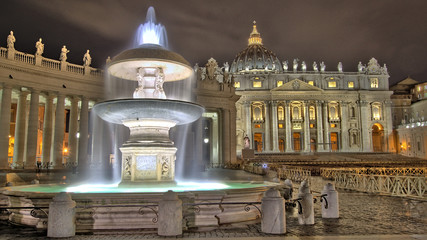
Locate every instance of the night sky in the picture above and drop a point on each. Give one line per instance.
(392, 31)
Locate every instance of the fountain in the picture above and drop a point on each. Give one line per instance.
(149, 154)
(148, 157)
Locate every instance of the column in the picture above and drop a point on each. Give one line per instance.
(326, 139)
(388, 130)
(58, 137)
(307, 146)
(248, 115)
(20, 131)
(47, 128)
(84, 135)
(366, 126)
(72, 131)
(33, 121)
(225, 136)
(344, 127)
(233, 140)
(319, 126)
(6, 102)
(288, 127)
(267, 129)
(275, 127)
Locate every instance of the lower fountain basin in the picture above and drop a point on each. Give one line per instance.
(119, 110)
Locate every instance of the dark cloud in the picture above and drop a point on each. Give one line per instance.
(392, 31)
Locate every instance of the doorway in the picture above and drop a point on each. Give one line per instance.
(334, 141)
(297, 141)
(258, 142)
(378, 137)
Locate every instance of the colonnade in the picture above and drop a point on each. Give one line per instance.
(27, 126)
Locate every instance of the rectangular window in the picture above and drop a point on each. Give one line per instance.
(333, 125)
(280, 125)
(311, 125)
(257, 126)
(374, 82)
(279, 83)
(332, 84)
(311, 83)
(237, 84)
(257, 84)
(350, 84)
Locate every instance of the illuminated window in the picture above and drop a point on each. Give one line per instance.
(419, 88)
(425, 87)
(280, 125)
(237, 84)
(311, 125)
(332, 84)
(350, 84)
(311, 83)
(333, 125)
(256, 78)
(331, 78)
(257, 84)
(257, 126)
(279, 83)
(374, 82)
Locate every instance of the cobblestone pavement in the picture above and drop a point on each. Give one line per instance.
(362, 216)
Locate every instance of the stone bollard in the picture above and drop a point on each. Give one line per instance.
(306, 217)
(273, 212)
(170, 215)
(288, 192)
(330, 207)
(35, 181)
(62, 216)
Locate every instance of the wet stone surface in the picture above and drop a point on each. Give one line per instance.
(360, 214)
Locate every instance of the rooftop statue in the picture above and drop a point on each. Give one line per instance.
(285, 65)
(384, 69)
(360, 67)
(11, 41)
(64, 51)
(373, 66)
(296, 64)
(226, 67)
(108, 60)
(315, 66)
(87, 60)
(322, 66)
(303, 66)
(39, 47)
(340, 67)
(211, 68)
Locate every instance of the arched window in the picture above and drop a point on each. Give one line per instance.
(295, 113)
(280, 113)
(333, 112)
(312, 113)
(376, 111)
(352, 111)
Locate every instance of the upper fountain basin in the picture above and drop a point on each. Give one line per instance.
(126, 64)
(119, 110)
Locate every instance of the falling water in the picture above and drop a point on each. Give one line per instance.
(151, 32)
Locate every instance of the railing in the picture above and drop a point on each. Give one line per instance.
(96, 72)
(52, 64)
(24, 57)
(404, 186)
(75, 68)
(3, 52)
(294, 174)
(329, 173)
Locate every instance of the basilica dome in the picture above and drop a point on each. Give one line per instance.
(256, 57)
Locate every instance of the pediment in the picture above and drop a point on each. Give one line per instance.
(296, 85)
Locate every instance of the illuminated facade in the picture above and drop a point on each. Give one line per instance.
(410, 117)
(287, 107)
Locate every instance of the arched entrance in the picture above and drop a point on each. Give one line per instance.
(378, 137)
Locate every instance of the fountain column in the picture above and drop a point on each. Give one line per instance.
(47, 128)
(6, 102)
(32, 137)
(20, 131)
(58, 138)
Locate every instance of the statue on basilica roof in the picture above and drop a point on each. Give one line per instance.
(315, 67)
(340, 67)
(11, 41)
(303, 66)
(285, 65)
(322, 66)
(296, 64)
(361, 67)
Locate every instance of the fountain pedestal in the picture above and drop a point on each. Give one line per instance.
(149, 154)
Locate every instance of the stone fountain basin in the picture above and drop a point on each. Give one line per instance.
(119, 110)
